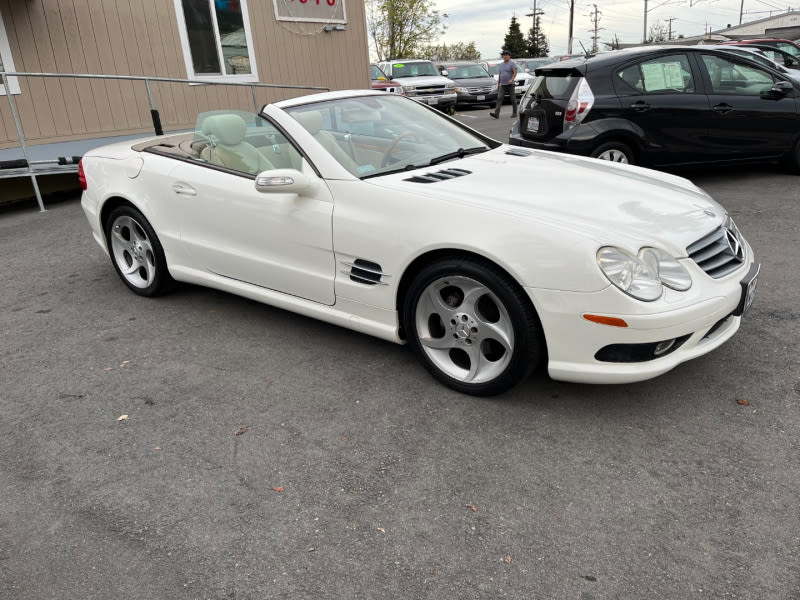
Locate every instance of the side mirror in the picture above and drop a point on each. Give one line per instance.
(282, 181)
(778, 90)
(444, 72)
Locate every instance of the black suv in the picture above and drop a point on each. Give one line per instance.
(661, 106)
(474, 84)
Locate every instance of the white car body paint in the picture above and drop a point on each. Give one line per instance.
(546, 240)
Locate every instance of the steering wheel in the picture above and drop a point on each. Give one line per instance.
(387, 156)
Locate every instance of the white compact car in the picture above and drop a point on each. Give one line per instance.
(521, 82)
(380, 214)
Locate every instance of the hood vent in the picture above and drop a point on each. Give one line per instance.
(442, 175)
(518, 152)
(364, 271)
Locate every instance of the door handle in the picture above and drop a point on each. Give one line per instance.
(184, 189)
(640, 106)
(722, 108)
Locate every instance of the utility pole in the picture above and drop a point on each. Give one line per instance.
(595, 18)
(535, 13)
(669, 28)
(571, 19)
(644, 34)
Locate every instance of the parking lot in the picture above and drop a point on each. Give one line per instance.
(201, 445)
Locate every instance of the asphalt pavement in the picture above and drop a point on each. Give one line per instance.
(202, 445)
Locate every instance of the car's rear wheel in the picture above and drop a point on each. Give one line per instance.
(136, 252)
(792, 159)
(614, 152)
(472, 326)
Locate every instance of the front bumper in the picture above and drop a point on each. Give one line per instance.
(483, 98)
(701, 319)
(440, 100)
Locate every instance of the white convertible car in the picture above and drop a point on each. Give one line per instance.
(376, 213)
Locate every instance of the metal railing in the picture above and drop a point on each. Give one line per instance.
(27, 164)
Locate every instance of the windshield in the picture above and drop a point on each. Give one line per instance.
(415, 69)
(376, 74)
(465, 71)
(372, 135)
(787, 47)
(754, 56)
(494, 69)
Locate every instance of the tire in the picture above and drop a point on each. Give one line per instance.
(472, 326)
(791, 162)
(136, 253)
(614, 152)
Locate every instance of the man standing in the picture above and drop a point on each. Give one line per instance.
(505, 84)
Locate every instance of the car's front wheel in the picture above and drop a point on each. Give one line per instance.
(472, 326)
(136, 252)
(614, 152)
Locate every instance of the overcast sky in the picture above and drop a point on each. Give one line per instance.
(486, 21)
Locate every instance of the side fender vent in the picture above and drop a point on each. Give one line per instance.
(442, 175)
(364, 271)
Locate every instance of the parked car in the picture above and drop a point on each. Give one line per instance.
(521, 82)
(766, 58)
(529, 65)
(370, 211)
(663, 106)
(785, 45)
(422, 82)
(787, 59)
(474, 85)
(381, 82)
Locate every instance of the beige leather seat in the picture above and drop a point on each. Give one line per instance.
(312, 121)
(227, 147)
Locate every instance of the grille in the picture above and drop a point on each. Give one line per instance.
(480, 90)
(430, 91)
(442, 175)
(720, 252)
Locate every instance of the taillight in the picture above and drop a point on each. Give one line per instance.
(575, 108)
(579, 105)
(81, 175)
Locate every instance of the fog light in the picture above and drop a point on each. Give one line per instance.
(663, 347)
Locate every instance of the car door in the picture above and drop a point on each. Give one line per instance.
(660, 95)
(746, 123)
(279, 241)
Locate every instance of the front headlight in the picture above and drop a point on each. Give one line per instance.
(410, 90)
(631, 274)
(450, 86)
(667, 268)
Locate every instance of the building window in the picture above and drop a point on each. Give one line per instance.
(216, 39)
(6, 62)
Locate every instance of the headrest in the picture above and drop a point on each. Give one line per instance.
(362, 115)
(310, 119)
(228, 129)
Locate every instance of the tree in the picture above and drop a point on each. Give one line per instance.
(536, 43)
(443, 52)
(658, 33)
(399, 28)
(515, 42)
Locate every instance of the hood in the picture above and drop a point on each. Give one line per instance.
(475, 81)
(424, 80)
(612, 204)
